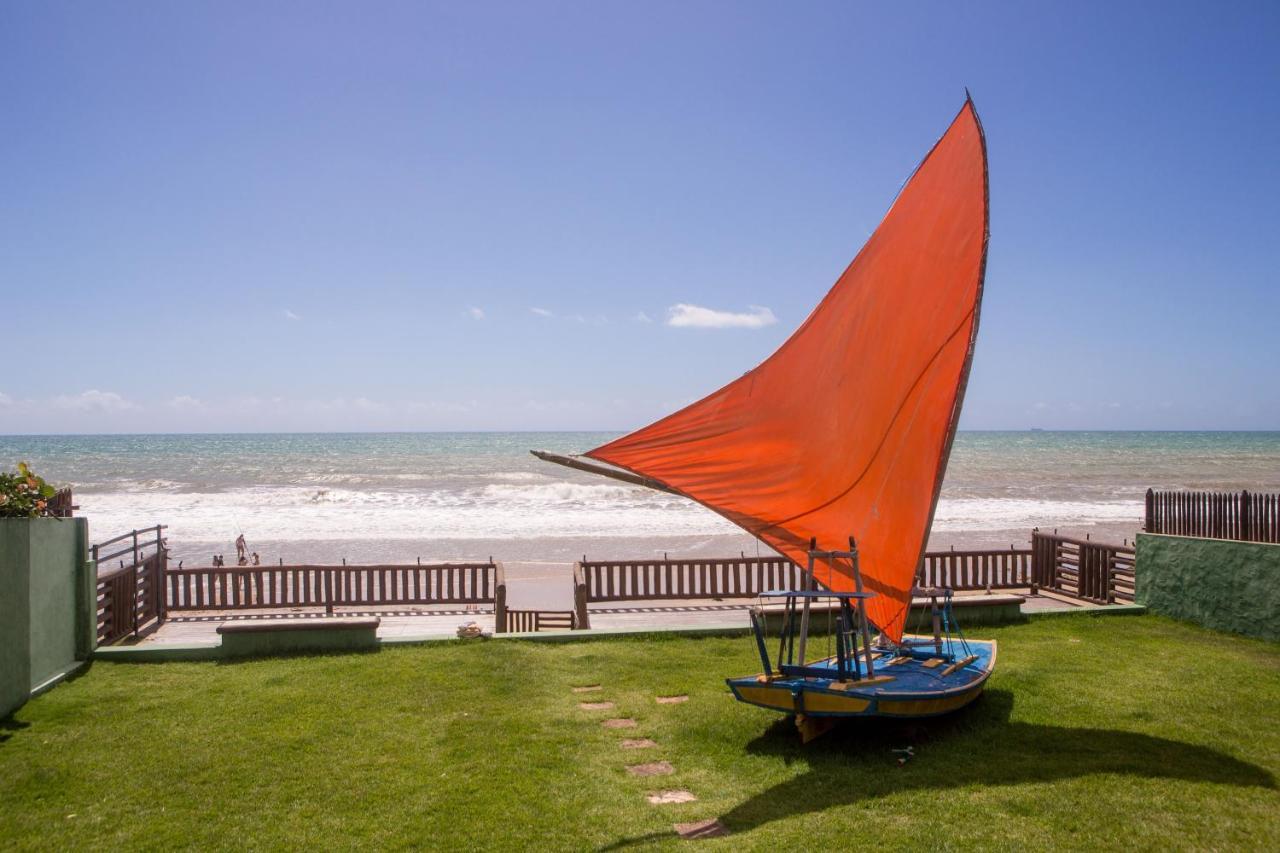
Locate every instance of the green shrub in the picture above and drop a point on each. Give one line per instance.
(23, 494)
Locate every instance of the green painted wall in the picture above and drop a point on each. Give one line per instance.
(45, 603)
(1230, 586)
(15, 599)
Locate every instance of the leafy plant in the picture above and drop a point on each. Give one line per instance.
(23, 494)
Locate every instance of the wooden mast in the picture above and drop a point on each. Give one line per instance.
(604, 470)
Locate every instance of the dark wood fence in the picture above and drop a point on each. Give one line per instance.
(1094, 571)
(1244, 516)
(61, 505)
(280, 587)
(648, 580)
(130, 595)
(973, 570)
(1097, 572)
(520, 621)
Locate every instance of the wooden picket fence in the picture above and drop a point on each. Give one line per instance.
(1243, 516)
(281, 587)
(966, 571)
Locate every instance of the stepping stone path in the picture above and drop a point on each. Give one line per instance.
(637, 743)
(657, 768)
(712, 828)
(624, 723)
(701, 829)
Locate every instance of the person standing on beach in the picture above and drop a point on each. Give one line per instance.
(241, 548)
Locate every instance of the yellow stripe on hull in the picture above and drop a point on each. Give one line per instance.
(927, 707)
(770, 697)
(827, 703)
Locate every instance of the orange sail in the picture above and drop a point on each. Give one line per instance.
(846, 429)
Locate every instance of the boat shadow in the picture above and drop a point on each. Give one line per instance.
(978, 745)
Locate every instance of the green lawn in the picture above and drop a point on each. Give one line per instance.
(1094, 732)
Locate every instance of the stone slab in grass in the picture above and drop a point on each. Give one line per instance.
(701, 829)
(588, 688)
(655, 768)
(623, 723)
(662, 797)
(595, 706)
(637, 743)
(672, 700)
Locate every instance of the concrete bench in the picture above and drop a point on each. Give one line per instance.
(264, 637)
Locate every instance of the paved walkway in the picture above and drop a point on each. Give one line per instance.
(202, 626)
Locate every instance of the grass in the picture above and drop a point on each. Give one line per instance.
(1093, 733)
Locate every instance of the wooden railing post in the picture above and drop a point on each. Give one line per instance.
(1246, 525)
(1037, 560)
(581, 615)
(499, 599)
(1149, 521)
(161, 573)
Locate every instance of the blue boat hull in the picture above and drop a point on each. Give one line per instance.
(907, 689)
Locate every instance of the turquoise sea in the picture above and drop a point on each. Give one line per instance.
(397, 496)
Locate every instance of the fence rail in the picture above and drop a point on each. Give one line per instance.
(62, 504)
(1097, 572)
(647, 580)
(130, 597)
(255, 587)
(1243, 516)
(521, 621)
(973, 570)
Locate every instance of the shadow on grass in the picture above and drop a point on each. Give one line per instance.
(976, 746)
(9, 725)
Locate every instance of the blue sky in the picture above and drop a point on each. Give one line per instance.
(368, 216)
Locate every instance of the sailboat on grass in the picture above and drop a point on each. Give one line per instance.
(833, 452)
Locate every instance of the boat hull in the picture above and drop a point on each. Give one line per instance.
(908, 690)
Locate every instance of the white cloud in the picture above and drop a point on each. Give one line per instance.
(289, 315)
(642, 317)
(595, 320)
(93, 400)
(5, 399)
(185, 402)
(684, 315)
(475, 313)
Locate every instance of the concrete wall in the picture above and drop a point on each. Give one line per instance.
(46, 595)
(1222, 584)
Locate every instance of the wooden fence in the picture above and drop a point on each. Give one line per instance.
(521, 621)
(1094, 571)
(973, 570)
(61, 505)
(1243, 516)
(280, 587)
(648, 580)
(1097, 572)
(130, 596)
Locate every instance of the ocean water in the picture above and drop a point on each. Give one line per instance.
(439, 496)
